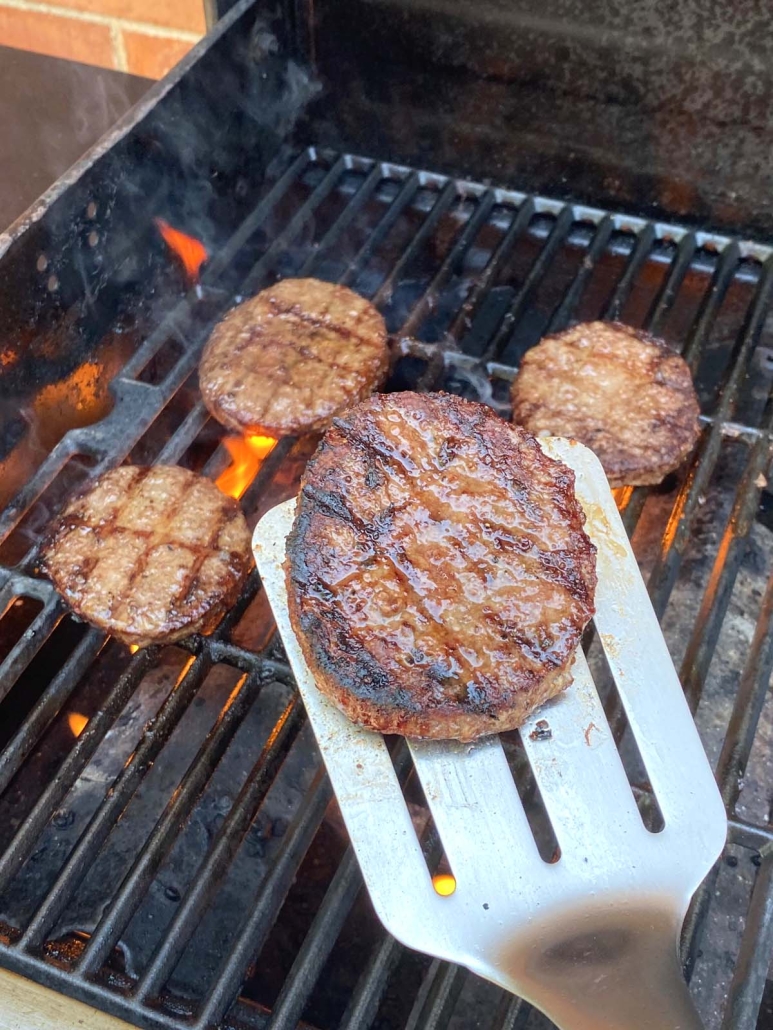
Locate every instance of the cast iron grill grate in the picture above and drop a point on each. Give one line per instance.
(167, 847)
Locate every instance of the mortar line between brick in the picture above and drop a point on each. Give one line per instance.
(119, 48)
(103, 19)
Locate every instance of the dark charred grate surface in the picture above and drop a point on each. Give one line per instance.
(168, 849)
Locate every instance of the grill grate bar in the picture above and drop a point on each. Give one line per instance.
(663, 575)
(83, 749)
(639, 254)
(302, 217)
(752, 836)
(452, 261)
(755, 945)
(34, 487)
(30, 642)
(406, 194)
(49, 705)
(217, 264)
(513, 1013)
(267, 471)
(365, 191)
(749, 702)
(174, 324)
(138, 879)
(496, 262)
(183, 437)
(731, 766)
(556, 238)
(730, 554)
(318, 943)
(235, 825)
(443, 202)
(268, 903)
(751, 967)
(437, 996)
(116, 800)
(364, 1002)
(711, 303)
(665, 298)
(562, 315)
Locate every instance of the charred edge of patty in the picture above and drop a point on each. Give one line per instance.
(386, 710)
(448, 724)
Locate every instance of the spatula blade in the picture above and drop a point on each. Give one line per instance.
(503, 887)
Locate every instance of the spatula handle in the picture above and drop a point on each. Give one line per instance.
(610, 972)
(657, 1002)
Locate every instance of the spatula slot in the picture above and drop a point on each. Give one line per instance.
(633, 763)
(529, 792)
(419, 811)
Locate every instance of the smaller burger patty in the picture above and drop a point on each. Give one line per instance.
(624, 394)
(149, 554)
(286, 361)
(439, 576)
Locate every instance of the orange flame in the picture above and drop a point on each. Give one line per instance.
(247, 454)
(134, 648)
(191, 252)
(77, 723)
(622, 496)
(444, 884)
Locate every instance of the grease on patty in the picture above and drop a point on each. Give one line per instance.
(439, 575)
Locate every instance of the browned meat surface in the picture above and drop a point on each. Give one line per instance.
(286, 361)
(150, 554)
(622, 393)
(439, 574)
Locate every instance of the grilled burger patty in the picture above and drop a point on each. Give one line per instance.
(624, 394)
(149, 554)
(286, 361)
(439, 575)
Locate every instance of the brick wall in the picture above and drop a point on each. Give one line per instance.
(146, 37)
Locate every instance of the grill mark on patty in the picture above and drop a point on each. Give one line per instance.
(287, 360)
(315, 322)
(142, 562)
(185, 594)
(124, 605)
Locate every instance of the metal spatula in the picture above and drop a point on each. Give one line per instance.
(591, 939)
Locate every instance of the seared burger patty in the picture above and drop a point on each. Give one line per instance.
(286, 361)
(439, 575)
(624, 394)
(150, 554)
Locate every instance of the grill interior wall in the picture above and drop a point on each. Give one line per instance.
(149, 848)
